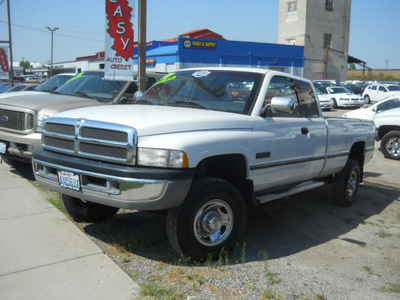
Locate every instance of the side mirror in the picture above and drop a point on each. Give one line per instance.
(283, 105)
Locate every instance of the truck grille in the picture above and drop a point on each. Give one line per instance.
(19, 121)
(90, 139)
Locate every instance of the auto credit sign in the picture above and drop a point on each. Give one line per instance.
(119, 40)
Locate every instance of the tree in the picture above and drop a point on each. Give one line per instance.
(25, 65)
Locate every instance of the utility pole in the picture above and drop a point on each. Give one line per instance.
(10, 43)
(51, 61)
(142, 45)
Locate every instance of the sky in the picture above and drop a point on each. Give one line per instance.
(374, 26)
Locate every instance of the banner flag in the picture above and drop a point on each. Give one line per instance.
(4, 67)
(119, 40)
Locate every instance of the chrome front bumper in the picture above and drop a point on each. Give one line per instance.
(117, 191)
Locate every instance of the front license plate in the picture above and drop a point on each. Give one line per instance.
(3, 148)
(69, 180)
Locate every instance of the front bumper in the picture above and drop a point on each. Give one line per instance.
(20, 145)
(113, 184)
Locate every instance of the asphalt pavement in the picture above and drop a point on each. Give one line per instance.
(43, 255)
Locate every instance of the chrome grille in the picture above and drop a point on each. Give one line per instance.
(90, 139)
(103, 134)
(21, 121)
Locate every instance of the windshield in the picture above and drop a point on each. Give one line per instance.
(53, 83)
(214, 90)
(393, 87)
(92, 85)
(338, 90)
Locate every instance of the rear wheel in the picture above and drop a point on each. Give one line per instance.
(212, 218)
(85, 211)
(367, 99)
(346, 184)
(390, 145)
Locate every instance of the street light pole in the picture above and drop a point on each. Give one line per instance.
(51, 62)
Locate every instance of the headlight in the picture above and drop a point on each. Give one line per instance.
(162, 158)
(40, 121)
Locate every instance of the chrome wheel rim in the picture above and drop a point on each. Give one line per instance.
(352, 184)
(393, 146)
(213, 223)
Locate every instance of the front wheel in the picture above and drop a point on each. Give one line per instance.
(346, 183)
(367, 99)
(334, 103)
(390, 145)
(85, 211)
(212, 217)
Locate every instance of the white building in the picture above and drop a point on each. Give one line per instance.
(322, 27)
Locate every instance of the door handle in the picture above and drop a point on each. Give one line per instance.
(304, 130)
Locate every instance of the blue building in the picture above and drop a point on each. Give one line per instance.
(194, 52)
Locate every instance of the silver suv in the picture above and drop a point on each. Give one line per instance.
(22, 115)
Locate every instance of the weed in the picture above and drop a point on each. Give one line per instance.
(243, 256)
(368, 270)
(264, 256)
(268, 294)
(156, 292)
(320, 296)
(209, 260)
(126, 260)
(56, 202)
(383, 234)
(392, 288)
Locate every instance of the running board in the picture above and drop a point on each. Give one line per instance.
(309, 185)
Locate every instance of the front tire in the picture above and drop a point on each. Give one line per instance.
(334, 103)
(390, 145)
(212, 217)
(346, 183)
(367, 99)
(85, 211)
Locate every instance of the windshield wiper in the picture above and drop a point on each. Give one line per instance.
(85, 95)
(56, 92)
(188, 103)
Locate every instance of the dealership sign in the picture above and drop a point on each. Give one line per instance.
(4, 68)
(119, 40)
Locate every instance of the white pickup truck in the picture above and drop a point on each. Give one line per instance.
(205, 145)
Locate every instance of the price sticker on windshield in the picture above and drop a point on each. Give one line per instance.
(199, 74)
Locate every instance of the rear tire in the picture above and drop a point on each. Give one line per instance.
(212, 217)
(390, 145)
(85, 211)
(346, 184)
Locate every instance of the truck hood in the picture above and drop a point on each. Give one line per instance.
(46, 103)
(150, 120)
(394, 112)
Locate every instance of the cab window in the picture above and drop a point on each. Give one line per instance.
(280, 86)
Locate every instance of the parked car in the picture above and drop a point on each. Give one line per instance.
(342, 97)
(368, 113)
(18, 86)
(22, 115)
(325, 100)
(377, 92)
(188, 148)
(54, 82)
(388, 132)
(355, 88)
(327, 82)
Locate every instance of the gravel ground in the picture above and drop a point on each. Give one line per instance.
(299, 247)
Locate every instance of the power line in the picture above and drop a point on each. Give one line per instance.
(59, 34)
